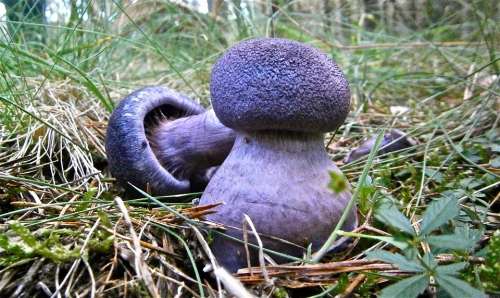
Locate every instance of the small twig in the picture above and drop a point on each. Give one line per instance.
(357, 280)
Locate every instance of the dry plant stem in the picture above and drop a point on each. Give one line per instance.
(179, 283)
(262, 262)
(178, 272)
(232, 285)
(92, 280)
(28, 277)
(140, 266)
(318, 272)
(247, 250)
(45, 289)
(210, 255)
(56, 281)
(352, 286)
(115, 254)
(143, 243)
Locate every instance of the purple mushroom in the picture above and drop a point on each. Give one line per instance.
(393, 140)
(280, 96)
(162, 141)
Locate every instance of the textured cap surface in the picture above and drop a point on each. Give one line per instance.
(279, 84)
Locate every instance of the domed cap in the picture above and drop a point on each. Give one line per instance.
(279, 84)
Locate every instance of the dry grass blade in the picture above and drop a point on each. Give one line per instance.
(142, 270)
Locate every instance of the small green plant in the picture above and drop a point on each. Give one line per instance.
(19, 243)
(454, 237)
(489, 272)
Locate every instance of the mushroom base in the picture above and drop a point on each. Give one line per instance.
(280, 180)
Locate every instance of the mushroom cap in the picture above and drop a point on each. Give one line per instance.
(130, 157)
(279, 84)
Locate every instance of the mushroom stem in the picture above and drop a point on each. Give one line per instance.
(192, 144)
(281, 179)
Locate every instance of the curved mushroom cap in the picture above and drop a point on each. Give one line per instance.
(130, 157)
(279, 84)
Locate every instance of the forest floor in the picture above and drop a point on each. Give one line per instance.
(429, 214)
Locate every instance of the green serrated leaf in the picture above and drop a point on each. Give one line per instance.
(438, 213)
(407, 288)
(429, 260)
(451, 269)
(450, 241)
(457, 288)
(434, 175)
(401, 244)
(389, 214)
(393, 258)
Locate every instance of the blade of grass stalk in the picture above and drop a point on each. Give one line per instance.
(361, 182)
(87, 82)
(103, 203)
(54, 65)
(422, 178)
(37, 182)
(156, 46)
(105, 35)
(431, 123)
(27, 209)
(457, 150)
(387, 239)
(67, 216)
(35, 59)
